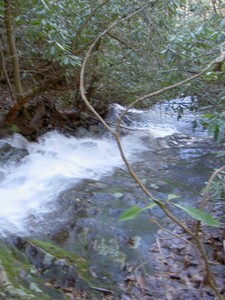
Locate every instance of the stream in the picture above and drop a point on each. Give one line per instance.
(71, 190)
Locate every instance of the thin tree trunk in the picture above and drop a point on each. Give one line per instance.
(13, 50)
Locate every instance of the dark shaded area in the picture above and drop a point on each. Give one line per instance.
(46, 112)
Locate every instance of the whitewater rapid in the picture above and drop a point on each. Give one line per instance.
(57, 161)
(53, 164)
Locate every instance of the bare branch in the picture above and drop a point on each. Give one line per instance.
(208, 273)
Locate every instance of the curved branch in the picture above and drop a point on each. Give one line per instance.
(116, 134)
(173, 86)
(82, 89)
(206, 191)
(156, 93)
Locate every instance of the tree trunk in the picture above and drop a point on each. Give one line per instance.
(13, 50)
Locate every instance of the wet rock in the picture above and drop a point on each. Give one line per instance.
(9, 153)
(175, 140)
(53, 275)
(81, 131)
(48, 260)
(19, 294)
(110, 248)
(118, 195)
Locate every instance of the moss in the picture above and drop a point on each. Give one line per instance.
(56, 251)
(59, 253)
(13, 261)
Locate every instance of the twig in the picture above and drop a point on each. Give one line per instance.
(170, 232)
(101, 289)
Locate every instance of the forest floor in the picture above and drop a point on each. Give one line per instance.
(178, 269)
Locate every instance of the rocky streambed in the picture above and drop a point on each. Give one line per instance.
(79, 249)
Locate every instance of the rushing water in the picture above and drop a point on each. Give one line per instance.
(56, 162)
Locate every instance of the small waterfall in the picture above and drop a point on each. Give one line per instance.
(30, 185)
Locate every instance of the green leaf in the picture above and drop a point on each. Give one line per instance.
(151, 205)
(208, 116)
(199, 215)
(172, 196)
(66, 61)
(133, 211)
(60, 46)
(45, 5)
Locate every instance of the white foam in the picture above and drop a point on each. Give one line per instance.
(53, 164)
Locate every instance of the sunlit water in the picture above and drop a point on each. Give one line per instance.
(56, 162)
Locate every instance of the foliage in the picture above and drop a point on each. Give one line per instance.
(216, 125)
(217, 188)
(195, 213)
(199, 215)
(169, 40)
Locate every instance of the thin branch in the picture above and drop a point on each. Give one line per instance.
(205, 195)
(85, 23)
(82, 90)
(209, 275)
(123, 42)
(206, 190)
(174, 235)
(173, 86)
(116, 133)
